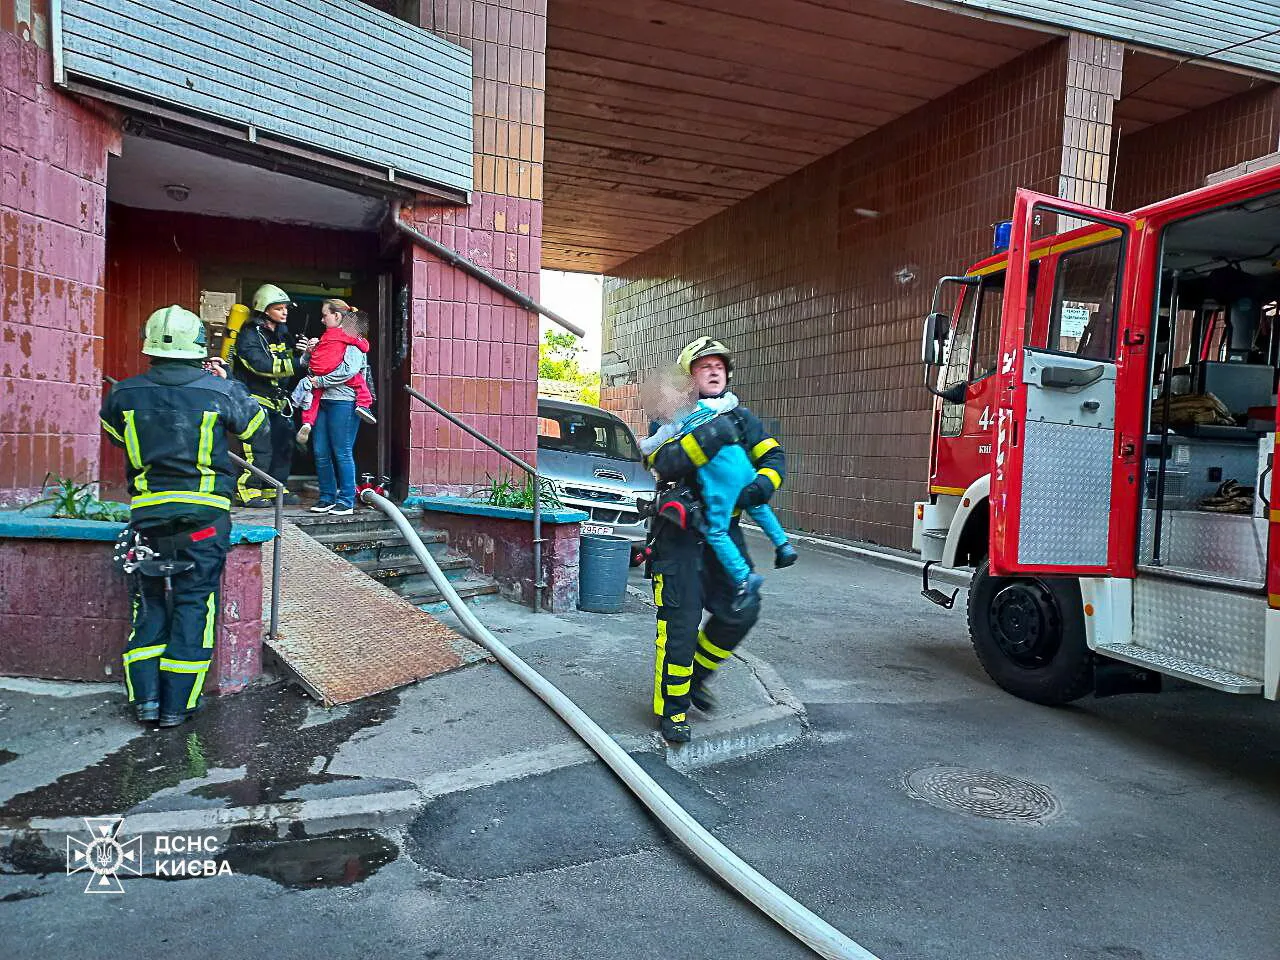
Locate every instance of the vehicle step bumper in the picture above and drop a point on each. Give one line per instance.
(1172, 666)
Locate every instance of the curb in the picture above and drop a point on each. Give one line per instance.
(40, 844)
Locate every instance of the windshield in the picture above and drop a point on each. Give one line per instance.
(570, 431)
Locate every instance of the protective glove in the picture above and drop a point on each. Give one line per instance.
(714, 435)
(755, 493)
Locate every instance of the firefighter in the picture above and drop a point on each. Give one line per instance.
(172, 422)
(265, 363)
(687, 577)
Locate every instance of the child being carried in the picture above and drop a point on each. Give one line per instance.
(720, 481)
(350, 331)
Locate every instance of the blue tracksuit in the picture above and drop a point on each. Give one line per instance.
(721, 479)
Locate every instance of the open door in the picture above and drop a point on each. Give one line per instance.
(1063, 482)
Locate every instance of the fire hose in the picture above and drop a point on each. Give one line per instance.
(806, 926)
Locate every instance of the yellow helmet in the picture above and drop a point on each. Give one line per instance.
(704, 347)
(268, 295)
(174, 332)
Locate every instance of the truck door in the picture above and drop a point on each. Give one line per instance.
(1065, 460)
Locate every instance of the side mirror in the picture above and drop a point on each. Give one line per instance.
(937, 329)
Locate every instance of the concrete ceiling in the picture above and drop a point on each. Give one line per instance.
(661, 113)
(223, 188)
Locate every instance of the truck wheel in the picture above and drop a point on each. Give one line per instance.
(1028, 634)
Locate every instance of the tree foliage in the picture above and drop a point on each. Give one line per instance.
(558, 362)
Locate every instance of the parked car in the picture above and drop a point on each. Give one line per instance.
(594, 462)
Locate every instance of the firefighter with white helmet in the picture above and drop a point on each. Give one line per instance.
(172, 422)
(687, 576)
(265, 362)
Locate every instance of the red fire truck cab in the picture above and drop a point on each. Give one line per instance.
(1103, 437)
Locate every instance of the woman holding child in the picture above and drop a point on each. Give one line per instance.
(335, 396)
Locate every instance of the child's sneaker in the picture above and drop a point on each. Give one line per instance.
(785, 556)
(748, 592)
(304, 433)
(365, 414)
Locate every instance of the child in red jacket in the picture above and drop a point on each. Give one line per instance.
(343, 328)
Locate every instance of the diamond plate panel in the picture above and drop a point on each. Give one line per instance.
(1066, 495)
(1216, 628)
(1220, 544)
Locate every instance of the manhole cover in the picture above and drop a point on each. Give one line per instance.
(983, 794)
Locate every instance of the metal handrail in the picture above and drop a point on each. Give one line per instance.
(279, 527)
(539, 584)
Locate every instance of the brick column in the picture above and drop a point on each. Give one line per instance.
(474, 351)
(53, 191)
(1095, 69)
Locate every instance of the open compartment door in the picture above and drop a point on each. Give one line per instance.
(1065, 457)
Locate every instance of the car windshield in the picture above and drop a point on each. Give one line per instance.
(571, 431)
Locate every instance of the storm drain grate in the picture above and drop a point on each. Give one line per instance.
(983, 794)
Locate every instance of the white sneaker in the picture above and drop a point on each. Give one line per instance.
(341, 511)
(365, 414)
(322, 507)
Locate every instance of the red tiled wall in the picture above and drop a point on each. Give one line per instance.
(803, 288)
(1175, 156)
(53, 167)
(76, 630)
(475, 352)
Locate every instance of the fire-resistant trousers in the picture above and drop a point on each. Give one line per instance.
(687, 578)
(167, 655)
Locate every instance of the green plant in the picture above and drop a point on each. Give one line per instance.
(76, 501)
(503, 491)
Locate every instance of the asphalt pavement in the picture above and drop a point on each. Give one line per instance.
(898, 793)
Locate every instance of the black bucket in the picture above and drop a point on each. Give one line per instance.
(604, 563)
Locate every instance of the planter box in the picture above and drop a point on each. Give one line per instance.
(499, 541)
(64, 607)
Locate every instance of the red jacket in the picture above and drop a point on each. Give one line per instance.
(327, 355)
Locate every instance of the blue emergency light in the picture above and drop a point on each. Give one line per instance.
(1003, 230)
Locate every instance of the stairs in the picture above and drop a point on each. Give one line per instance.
(369, 542)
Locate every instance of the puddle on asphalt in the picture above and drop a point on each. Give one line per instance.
(338, 859)
(260, 730)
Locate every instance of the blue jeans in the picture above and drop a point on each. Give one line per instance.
(334, 440)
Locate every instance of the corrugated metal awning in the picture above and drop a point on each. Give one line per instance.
(333, 80)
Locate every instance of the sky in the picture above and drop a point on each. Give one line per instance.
(577, 298)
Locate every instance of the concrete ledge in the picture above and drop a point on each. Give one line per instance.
(17, 526)
(478, 508)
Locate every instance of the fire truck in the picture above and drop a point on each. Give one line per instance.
(1104, 428)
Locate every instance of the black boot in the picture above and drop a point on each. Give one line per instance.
(676, 729)
(702, 698)
(785, 556)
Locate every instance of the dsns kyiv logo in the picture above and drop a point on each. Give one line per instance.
(105, 855)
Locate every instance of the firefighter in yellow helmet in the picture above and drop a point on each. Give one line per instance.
(172, 422)
(265, 362)
(687, 576)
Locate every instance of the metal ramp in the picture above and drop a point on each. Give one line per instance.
(344, 636)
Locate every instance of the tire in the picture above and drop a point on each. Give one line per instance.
(1029, 636)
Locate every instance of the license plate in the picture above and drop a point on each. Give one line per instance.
(596, 528)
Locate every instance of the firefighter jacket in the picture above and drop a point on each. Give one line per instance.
(263, 361)
(678, 459)
(172, 422)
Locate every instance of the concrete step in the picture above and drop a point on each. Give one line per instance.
(471, 588)
(361, 546)
(394, 571)
(363, 520)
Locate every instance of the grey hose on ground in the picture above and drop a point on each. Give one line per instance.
(806, 926)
